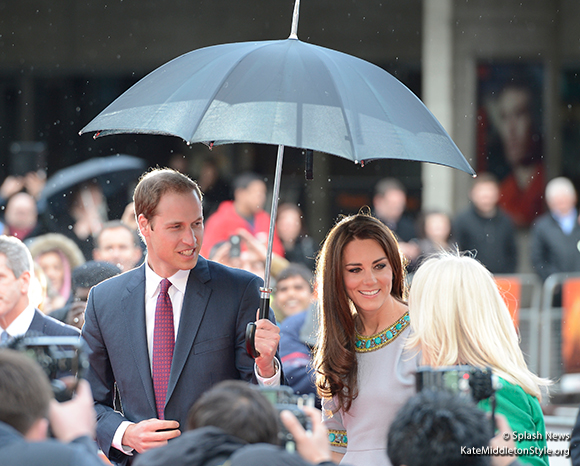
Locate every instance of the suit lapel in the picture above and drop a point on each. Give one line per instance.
(134, 317)
(195, 302)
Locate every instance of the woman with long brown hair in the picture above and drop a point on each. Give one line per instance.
(363, 373)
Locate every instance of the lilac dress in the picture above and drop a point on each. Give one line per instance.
(386, 379)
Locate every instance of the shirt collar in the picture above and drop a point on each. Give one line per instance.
(566, 221)
(152, 281)
(21, 324)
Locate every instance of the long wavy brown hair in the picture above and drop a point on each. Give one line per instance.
(335, 359)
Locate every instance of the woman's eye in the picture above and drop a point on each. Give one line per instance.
(381, 266)
(355, 270)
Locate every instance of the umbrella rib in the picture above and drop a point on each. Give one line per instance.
(379, 99)
(332, 75)
(218, 87)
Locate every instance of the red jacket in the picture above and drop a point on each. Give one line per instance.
(226, 221)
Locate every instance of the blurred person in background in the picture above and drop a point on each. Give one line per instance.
(244, 251)
(234, 424)
(298, 246)
(214, 187)
(360, 360)
(119, 245)
(389, 205)
(27, 407)
(32, 183)
(434, 229)
(38, 292)
(57, 255)
(21, 217)
(246, 212)
(128, 218)
(81, 216)
(89, 211)
(555, 236)
(483, 227)
(84, 277)
(470, 324)
(294, 297)
(294, 290)
(17, 314)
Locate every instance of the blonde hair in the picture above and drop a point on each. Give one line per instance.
(459, 317)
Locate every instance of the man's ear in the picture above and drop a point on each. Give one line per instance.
(25, 283)
(144, 225)
(38, 432)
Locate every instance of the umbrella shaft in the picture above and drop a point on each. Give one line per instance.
(295, 16)
(273, 212)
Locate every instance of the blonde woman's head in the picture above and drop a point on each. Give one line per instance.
(458, 316)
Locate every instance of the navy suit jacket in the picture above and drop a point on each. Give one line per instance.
(49, 326)
(210, 346)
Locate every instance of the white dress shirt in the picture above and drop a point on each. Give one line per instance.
(21, 324)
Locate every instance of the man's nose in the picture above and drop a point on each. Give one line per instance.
(189, 237)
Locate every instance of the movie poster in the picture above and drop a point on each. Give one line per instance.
(510, 136)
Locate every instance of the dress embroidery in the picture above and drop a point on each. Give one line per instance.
(374, 342)
(337, 438)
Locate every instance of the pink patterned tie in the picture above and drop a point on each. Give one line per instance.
(163, 343)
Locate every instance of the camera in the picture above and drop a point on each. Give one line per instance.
(283, 398)
(464, 380)
(235, 246)
(63, 360)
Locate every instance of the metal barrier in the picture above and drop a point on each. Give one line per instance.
(522, 294)
(557, 294)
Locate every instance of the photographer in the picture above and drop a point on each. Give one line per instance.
(439, 428)
(27, 407)
(234, 421)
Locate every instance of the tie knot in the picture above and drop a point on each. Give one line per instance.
(164, 285)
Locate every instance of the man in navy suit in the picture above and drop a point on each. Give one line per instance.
(211, 306)
(17, 315)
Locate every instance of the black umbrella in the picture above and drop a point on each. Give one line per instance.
(286, 93)
(115, 174)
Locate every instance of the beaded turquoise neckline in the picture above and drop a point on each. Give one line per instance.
(374, 342)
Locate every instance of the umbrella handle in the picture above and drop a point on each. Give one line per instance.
(251, 327)
(250, 340)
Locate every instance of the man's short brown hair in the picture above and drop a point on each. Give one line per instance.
(155, 183)
(25, 391)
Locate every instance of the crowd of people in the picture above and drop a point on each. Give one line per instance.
(161, 299)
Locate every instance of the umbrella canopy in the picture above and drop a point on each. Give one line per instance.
(283, 92)
(286, 93)
(113, 173)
